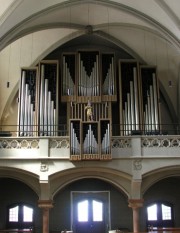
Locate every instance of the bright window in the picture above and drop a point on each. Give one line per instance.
(13, 214)
(83, 211)
(20, 216)
(90, 210)
(166, 212)
(97, 211)
(27, 214)
(152, 212)
(160, 215)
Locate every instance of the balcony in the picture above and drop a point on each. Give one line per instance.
(138, 144)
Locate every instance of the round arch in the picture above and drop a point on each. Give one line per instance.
(25, 177)
(120, 180)
(154, 176)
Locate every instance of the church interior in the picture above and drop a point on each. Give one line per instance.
(90, 116)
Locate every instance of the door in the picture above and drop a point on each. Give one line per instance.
(90, 213)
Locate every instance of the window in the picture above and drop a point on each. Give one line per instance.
(160, 215)
(90, 210)
(20, 216)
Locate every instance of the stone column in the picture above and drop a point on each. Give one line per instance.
(135, 204)
(45, 205)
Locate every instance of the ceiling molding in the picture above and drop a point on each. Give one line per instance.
(169, 12)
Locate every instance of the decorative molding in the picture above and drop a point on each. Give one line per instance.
(137, 164)
(19, 143)
(44, 167)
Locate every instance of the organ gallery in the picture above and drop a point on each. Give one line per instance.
(94, 94)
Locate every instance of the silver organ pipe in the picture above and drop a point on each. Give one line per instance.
(41, 120)
(136, 105)
(29, 116)
(105, 145)
(49, 113)
(126, 119)
(45, 107)
(129, 113)
(68, 84)
(75, 145)
(97, 74)
(26, 110)
(90, 145)
(149, 112)
(52, 122)
(109, 82)
(132, 105)
(152, 107)
(22, 102)
(155, 102)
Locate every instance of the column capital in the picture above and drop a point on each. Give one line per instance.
(135, 203)
(47, 204)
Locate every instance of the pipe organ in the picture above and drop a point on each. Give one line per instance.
(150, 99)
(92, 91)
(139, 95)
(38, 94)
(27, 117)
(129, 97)
(48, 93)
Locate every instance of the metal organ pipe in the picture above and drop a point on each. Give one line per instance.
(155, 101)
(22, 104)
(132, 105)
(152, 107)
(26, 110)
(136, 106)
(41, 120)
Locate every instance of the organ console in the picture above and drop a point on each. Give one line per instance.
(122, 90)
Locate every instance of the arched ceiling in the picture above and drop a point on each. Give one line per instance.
(148, 30)
(20, 17)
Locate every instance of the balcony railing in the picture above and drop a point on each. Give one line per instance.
(117, 130)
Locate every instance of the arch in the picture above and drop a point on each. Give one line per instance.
(154, 176)
(16, 31)
(25, 177)
(120, 180)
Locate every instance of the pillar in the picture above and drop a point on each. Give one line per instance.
(45, 205)
(135, 204)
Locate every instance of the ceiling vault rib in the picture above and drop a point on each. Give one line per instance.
(169, 12)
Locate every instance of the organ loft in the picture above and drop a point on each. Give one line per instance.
(95, 95)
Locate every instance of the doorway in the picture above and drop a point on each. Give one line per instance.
(90, 211)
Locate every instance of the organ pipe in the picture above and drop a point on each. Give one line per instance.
(22, 102)
(41, 121)
(132, 105)
(155, 101)
(136, 105)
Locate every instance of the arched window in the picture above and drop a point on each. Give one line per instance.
(160, 215)
(20, 216)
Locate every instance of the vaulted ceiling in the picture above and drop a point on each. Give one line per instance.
(149, 30)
